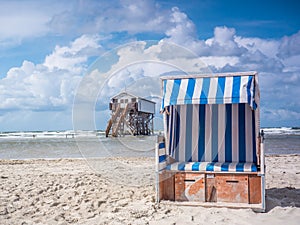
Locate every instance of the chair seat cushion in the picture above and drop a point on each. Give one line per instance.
(212, 166)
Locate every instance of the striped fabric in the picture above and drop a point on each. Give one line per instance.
(211, 133)
(212, 166)
(161, 156)
(209, 90)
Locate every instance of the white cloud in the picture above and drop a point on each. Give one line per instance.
(291, 64)
(30, 19)
(289, 46)
(224, 43)
(25, 19)
(14, 28)
(268, 47)
(49, 86)
(220, 62)
(184, 33)
(72, 58)
(183, 30)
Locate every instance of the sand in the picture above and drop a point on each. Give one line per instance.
(122, 191)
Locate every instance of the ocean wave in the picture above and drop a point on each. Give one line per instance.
(50, 134)
(99, 133)
(282, 131)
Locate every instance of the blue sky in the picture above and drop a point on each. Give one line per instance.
(46, 48)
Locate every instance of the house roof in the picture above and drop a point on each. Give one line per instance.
(132, 95)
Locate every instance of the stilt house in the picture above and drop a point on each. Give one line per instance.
(130, 114)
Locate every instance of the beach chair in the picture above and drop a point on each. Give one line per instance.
(212, 151)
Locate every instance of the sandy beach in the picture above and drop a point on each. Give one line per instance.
(122, 191)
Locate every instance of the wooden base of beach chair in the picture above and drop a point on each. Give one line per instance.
(167, 186)
(232, 188)
(211, 188)
(189, 187)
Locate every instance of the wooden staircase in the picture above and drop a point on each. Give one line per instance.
(118, 119)
(109, 124)
(113, 118)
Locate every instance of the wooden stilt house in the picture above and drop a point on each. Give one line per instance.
(212, 152)
(130, 114)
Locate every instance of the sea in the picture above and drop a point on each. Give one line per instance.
(94, 144)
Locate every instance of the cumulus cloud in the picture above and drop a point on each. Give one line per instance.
(268, 47)
(72, 57)
(184, 33)
(289, 46)
(183, 29)
(49, 86)
(223, 43)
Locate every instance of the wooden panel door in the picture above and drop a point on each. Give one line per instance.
(232, 188)
(189, 187)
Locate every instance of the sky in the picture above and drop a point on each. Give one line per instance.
(61, 61)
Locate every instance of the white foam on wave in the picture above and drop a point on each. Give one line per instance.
(95, 133)
(282, 130)
(50, 134)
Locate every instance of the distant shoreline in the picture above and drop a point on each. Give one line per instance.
(109, 158)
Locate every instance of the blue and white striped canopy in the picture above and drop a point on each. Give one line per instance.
(209, 90)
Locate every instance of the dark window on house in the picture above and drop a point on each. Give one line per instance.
(126, 100)
(122, 100)
(133, 100)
